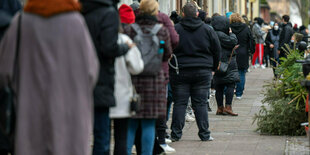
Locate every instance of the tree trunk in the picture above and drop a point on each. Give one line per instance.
(304, 12)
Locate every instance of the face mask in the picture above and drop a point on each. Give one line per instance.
(276, 28)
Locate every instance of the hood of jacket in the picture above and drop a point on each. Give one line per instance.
(220, 23)
(90, 5)
(238, 27)
(191, 24)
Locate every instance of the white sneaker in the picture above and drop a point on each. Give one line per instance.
(262, 66)
(239, 97)
(189, 118)
(210, 138)
(168, 141)
(167, 148)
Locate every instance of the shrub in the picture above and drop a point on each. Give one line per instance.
(284, 100)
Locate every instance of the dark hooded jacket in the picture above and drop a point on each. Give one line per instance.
(285, 37)
(102, 20)
(246, 44)
(199, 46)
(228, 42)
(8, 8)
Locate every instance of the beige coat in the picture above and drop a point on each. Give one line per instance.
(58, 68)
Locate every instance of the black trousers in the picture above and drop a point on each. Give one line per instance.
(228, 89)
(193, 83)
(120, 136)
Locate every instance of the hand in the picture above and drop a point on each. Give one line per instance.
(278, 51)
(230, 31)
(271, 46)
(130, 45)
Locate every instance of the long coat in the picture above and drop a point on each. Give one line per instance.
(246, 44)
(152, 89)
(102, 20)
(57, 72)
(228, 42)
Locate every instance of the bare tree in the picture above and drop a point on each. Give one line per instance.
(303, 7)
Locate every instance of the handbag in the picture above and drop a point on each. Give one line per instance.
(135, 102)
(8, 96)
(223, 66)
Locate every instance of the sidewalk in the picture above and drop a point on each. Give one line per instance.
(235, 135)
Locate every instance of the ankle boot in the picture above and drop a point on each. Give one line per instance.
(220, 111)
(229, 111)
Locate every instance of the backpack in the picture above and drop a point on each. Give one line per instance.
(149, 44)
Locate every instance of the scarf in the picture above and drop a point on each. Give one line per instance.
(275, 32)
(48, 8)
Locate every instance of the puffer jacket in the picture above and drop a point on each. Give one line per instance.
(102, 20)
(228, 42)
(258, 34)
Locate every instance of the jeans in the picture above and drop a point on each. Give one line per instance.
(147, 135)
(240, 85)
(229, 93)
(102, 132)
(194, 84)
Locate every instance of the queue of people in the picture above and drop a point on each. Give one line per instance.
(77, 66)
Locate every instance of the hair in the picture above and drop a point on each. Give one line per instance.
(149, 7)
(236, 18)
(208, 20)
(286, 18)
(190, 10)
(298, 37)
(216, 14)
(202, 15)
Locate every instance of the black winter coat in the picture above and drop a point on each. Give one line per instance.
(102, 20)
(246, 44)
(228, 42)
(199, 46)
(285, 37)
(8, 8)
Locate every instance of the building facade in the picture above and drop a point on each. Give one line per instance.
(250, 8)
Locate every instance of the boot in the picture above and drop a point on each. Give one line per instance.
(229, 111)
(220, 111)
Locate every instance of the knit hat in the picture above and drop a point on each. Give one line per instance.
(126, 14)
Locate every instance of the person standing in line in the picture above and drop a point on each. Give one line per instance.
(102, 20)
(151, 88)
(161, 123)
(57, 69)
(303, 30)
(244, 36)
(272, 42)
(226, 80)
(285, 36)
(258, 34)
(125, 66)
(190, 71)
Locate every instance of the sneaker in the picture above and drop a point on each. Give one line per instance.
(210, 139)
(262, 66)
(239, 97)
(189, 118)
(168, 141)
(167, 148)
